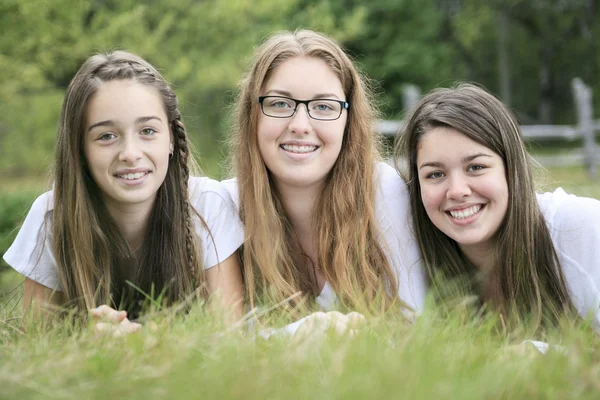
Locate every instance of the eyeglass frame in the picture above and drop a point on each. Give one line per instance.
(345, 106)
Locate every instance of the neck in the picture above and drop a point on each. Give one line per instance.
(132, 221)
(480, 254)
(299, 205)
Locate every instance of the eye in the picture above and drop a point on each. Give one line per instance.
(107, 136)
(475, 168)
(323, 107)
(435, 175)
(280, 103)
(148, 131)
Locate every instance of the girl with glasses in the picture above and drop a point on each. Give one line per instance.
(318, 208)
(124, 206)
(530, 257)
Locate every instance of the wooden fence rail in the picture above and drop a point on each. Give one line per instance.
(585, 129)
(530, 132)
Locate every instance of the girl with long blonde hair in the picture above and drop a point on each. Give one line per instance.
(314, 199)
(533, 258)
(125, 218)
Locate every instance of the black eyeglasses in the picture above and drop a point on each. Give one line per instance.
(319, 109)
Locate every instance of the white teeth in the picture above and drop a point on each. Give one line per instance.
(137, 175)
(298, 149)
(466, 213)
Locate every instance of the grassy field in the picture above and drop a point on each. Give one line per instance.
(196, 357)
(439, 356)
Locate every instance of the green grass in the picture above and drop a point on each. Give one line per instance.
(196, 357)
(573, 180)
(440, 356)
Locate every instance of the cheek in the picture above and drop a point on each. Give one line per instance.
(93, 159)
(267, 132)
(432, 197)
(334, 134)
(497, 190)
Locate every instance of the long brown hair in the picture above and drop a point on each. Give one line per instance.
(90, 249)
(526, 282)
(349, 254)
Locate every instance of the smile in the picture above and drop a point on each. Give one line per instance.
(301, 149)
(131, 177)
(465, 213)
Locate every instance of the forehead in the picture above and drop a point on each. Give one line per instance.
(303, 77)
(123, 101)
(444, 143)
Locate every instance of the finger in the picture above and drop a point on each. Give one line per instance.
(339, 327)
(129, 328)
(318, 318)
(103, 328)
(108, 314)
(335, 315)
(355, 319)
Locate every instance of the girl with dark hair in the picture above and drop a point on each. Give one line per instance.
(530, 257)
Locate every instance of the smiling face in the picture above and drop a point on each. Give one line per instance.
(300, 151)
(463, 188)
(127, 142)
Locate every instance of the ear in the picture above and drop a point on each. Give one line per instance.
(171, 141)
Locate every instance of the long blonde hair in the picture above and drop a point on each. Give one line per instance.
(349, 254)
(527, 282)
(90, 249)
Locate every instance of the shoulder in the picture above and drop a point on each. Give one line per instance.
(574, 225)
(212, 201)
(31, 252)
(204, 191)
(567, 212)
(44, 203)
(387, 176)
(395, 225)
(232, 187)
(40, 210)
(222, 232)
(391, 190)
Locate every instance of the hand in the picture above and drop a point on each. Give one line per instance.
(110, 321)
(105, 313)
(320, 323)
(525, 349)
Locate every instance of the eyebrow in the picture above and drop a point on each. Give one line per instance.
(289, 94)
(109, 122)
(437, 164)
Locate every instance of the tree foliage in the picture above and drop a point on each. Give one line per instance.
(203, 47)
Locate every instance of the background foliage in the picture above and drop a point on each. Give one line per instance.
(527, 51)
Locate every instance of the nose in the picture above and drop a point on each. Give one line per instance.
(130, 150)
(458, 187)
(300, 121)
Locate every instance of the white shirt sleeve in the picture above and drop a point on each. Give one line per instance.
(574, 224)
(31, 253)
(392, 206)
(232, 188)
(225, 234)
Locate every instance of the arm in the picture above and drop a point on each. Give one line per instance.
(574, 225)
(39, 299)
(225, 287)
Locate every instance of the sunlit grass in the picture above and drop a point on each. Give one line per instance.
(574, 180)
(198, 357)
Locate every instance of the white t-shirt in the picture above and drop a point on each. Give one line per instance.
(393, 215)
(31, 253)
(574, 224)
